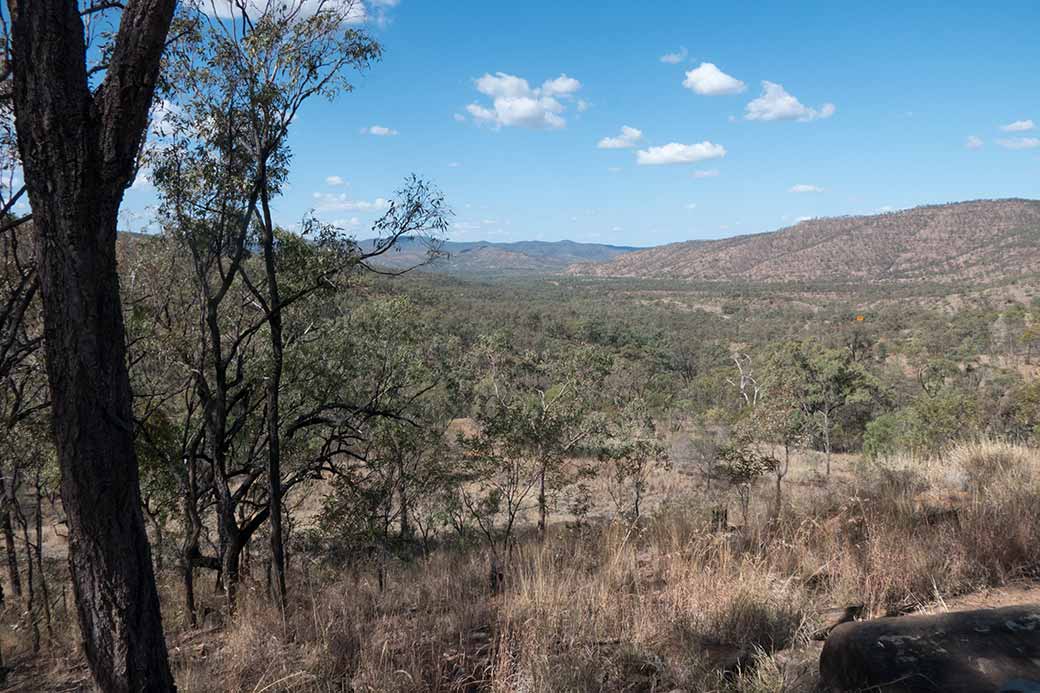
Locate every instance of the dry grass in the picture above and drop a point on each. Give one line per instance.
(667, 605)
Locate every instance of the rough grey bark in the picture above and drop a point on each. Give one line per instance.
(78, 151)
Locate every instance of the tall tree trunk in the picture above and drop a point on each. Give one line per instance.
(78, 151)
(7, 500)
(30, 581)
(44, 589)
(543, 504)
(405, 521)
(274, 384)
(827, 440)
(190, 545)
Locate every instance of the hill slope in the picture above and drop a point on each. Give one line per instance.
(482, 257)
(979, 241)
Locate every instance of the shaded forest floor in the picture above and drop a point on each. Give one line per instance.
(667, 604)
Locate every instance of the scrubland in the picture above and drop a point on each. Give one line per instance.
(667, 603)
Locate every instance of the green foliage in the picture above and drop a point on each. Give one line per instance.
(742, 464)
(886, 436)
(533, 412)
(631, 452)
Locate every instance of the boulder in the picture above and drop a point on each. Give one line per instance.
(832, 618)
(983, 651)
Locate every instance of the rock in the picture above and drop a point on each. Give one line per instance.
(983, 651)
(832, 618)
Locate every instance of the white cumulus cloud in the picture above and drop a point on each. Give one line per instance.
(1018, 126)
(351, 11)
(676, 57)
(1020, 143)
(514, 103)
(973, 142)
(708, 80)
(334, 181)
(628, 138)
(378, 131)
(561, 86)
(776, 104)
(340, 202)
(142, 181)
(675, 153)
(805, 188)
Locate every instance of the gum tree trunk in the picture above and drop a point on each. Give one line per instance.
(78, 151)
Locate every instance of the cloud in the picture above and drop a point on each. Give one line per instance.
(805, 188)
(677, 57)
(708, 80)
(583, 105)
(459, 118)
(1018, 126)
(351, 11)
(339, 202)
(334, 181)
(514, 103)
(142, 181)
(675, 153)
(628, 138)
(973, 142)
(1020, 143)
(776, 104)
(561, 86)
(706, 173)
(378, 131)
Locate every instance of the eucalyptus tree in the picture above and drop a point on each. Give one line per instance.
(781, 416)
(24, 390)
(79, 131)
(632, 451)
(242, 78)
(400, 462)
(534, 414)
(165, 356)
(21, 329)
(278, 56)
(832, 380)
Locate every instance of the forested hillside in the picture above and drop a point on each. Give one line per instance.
(980, 241)
(497, 259)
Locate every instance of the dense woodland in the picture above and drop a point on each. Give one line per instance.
(348, 473)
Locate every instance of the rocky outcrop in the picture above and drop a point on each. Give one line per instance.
(983, 651)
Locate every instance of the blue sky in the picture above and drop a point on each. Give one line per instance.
(870, 107)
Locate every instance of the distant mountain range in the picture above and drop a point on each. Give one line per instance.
(978, 241)
(487, 258)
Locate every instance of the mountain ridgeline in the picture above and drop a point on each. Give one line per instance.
(487, 258)
(978, 242)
